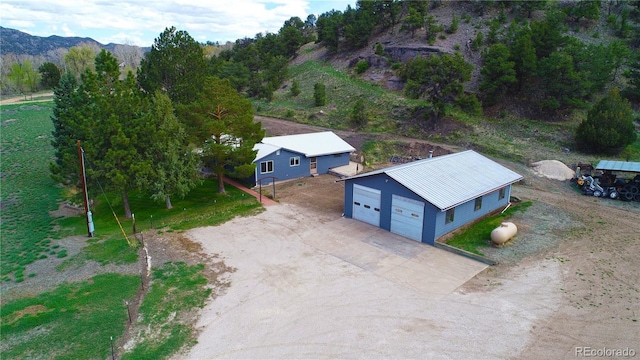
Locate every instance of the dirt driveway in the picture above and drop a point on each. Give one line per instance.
(336, 288)
(310, 284)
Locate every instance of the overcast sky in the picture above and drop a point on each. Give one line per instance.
(140, 22)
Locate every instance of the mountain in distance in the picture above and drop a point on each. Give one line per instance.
(21, 43)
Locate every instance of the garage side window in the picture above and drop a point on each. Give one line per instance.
(478, 205)
(266, 167)
(294, 161)
(449, 216)
(501, 193)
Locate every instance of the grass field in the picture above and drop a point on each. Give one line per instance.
(77, 320)
(28, 193)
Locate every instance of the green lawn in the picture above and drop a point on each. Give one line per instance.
(28, 193)
(77, 320)
(478, 235)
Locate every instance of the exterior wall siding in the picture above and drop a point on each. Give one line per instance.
(466, 212)
(434, 220)
(283, 170)
(388, 188)
(327, 162)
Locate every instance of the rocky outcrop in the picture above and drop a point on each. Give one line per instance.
(405, 53)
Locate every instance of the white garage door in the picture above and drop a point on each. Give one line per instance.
(366, 204)
(407, 217)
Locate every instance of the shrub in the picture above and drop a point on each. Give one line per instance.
(319, 94)
(454, 25)
(362, 66)
(380, 50)
(358, 116)
(608, 127)
(295, 88)
(470, 104)
(477, 42)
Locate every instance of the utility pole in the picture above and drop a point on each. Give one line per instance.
(83, 179)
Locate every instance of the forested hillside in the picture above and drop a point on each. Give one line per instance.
(539, 60)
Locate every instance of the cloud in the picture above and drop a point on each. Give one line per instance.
(143, 21)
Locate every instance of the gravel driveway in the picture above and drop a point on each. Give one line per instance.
(339, 288)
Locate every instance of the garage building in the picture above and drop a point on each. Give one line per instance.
(426, 199)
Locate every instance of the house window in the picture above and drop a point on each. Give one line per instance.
(502, 193)
(478, 205)
(449, 216)
(337, 155)
(294, 161)
(266, 167)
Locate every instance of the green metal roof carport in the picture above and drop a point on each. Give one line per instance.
(610, 165)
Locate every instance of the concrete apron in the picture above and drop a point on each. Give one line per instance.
(420, 267)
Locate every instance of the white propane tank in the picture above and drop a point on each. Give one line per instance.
(503, 233)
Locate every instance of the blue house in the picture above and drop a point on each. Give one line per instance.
(296, 156)
(426, 199)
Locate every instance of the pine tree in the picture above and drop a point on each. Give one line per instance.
(608, 127)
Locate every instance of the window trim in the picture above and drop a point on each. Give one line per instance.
(294, 161)
(449, 216)
(478, 204)
(266, 164)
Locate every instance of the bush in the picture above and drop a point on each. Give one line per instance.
(295, 88)
(358, 116)
(470, 104)
(319, 94)
(362, 66)
(380, 50)
(608, 127)
(454, 25)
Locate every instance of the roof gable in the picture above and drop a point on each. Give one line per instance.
(311, 145)
(450, 180)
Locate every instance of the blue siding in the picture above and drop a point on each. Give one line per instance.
(327, 162)
(434, 220)
(388, 188)
(466, 213)
(283, 170)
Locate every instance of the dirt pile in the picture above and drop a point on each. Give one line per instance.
(553, 169)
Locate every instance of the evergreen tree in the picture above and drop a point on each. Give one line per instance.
(319, 94)
(608, 127)
(175, 64)
(498, 73)
(175, 170)
(437, 79)
(67, 129)
(221, 122)
(49, 75)
(358, 115)
(295, 88)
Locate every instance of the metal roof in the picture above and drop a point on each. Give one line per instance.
(312, 144)
(619, 166)
(450, 180)
(264, 150)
